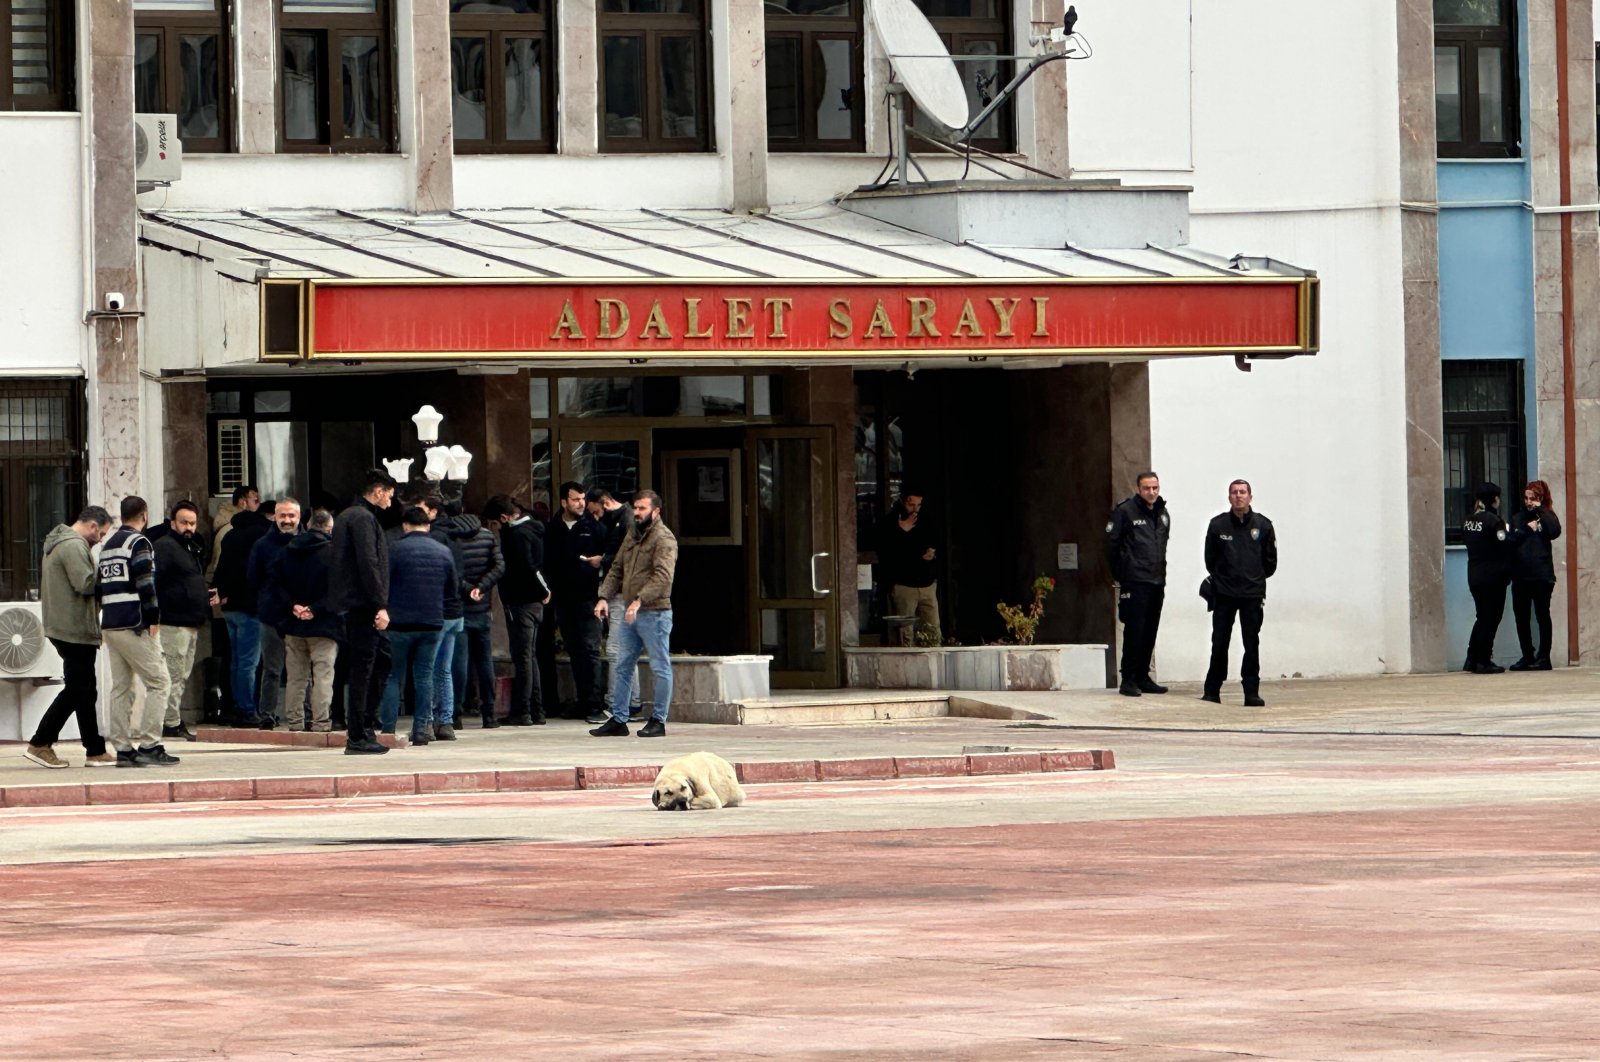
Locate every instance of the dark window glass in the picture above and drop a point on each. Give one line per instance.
(1483, 434)
(814, 71)
(1476, 96)
(653, 73)
(36, 55)
(501, 76)
(41, 475)
(181, 67)
(336, 85)
(982, 29)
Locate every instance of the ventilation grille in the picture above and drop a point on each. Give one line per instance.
(233, 454)
(21, 640)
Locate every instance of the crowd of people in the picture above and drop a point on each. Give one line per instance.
(344, 620)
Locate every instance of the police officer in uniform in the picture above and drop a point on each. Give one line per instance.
(1488, 575)
(1136, 549)
(1241, 555)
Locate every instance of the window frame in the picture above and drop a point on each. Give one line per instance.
(333, 28)
(957, 32)
(168, 26)
(810, 29)
(20, 557)
(1467, 41)
(60, 25)
(498, 28)
(652, 28)
(1476, 424)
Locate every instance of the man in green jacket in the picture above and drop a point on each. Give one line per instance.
(72, 623)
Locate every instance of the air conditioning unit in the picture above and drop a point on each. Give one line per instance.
(157, 151)
(25, 653)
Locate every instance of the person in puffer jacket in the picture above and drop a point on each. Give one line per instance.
(482, 565)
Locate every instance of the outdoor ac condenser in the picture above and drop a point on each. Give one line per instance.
(157, 151)
(25, 653)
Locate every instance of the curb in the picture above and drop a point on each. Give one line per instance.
(549, 779)
(307, 739)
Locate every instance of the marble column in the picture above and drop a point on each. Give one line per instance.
(256, 61)
(426, 119)
(578, 80)
(108, 107)
(183, 444)
(1048, 89)
(1419, 248)
(1129, 427)
(740, 95)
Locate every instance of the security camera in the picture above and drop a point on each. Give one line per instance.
(115, 301)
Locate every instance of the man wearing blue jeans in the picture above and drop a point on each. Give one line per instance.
(642, 574)
(444, 686)
(239, 601)
(422, 582)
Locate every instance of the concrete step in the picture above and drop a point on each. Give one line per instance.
(797, 709)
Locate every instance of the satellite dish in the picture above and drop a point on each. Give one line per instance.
(920, 60)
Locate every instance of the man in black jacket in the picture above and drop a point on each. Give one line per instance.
(523, 592)
(482, 566)
(906, 550)
(572, 539)
(1136, 549)
(616, 520)
(238, 601)
(272, 607)
(1488, 576)
(359, 587)
(313, 628)
(185, 607)
(1241, 555)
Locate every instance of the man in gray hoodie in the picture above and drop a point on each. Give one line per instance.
(72, 623)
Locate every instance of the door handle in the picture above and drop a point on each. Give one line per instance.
(815, 589)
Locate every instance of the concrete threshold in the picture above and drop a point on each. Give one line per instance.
(147, 790)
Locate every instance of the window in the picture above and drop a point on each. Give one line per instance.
(1483, 435)
(976, 28)
(653, 85)
(41, 475)
(335, 81)
(501, 75)
(180, 66)
(36, 50)
(814, 72)
(1476, 99)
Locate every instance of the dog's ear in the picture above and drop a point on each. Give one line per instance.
(694, 790)
(655, 798)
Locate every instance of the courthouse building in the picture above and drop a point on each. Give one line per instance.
(644, 244)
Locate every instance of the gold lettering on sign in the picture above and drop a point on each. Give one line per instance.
(739, 318)
(1004, 312)
(776, 308)
(921, 318)
(656, 320)
(839, 326)
(968, 321)
(607, 308)
(1039, 303)
(569, 321)
(692, 328)
(880, 322)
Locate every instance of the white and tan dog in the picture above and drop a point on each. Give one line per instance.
(700, 781)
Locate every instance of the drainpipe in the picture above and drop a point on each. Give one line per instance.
(1569, 412)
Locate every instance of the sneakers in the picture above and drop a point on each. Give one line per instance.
(181, 732)
(597, 716)
(444, 732)
(654, 728)
(1128, 689)
(154, 756)
(421, 737)
(1151, 686)
(105, 759)
(364, 748)
(636, 711)
(129, 758)
(611, 728)
(44, 756)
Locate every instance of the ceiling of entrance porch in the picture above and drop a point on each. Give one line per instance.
(812, 242)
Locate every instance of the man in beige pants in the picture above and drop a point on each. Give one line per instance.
(185, 608)
(310, 636)
(130, 623)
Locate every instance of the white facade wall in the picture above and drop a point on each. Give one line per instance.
(1289, 116)
(41, 246)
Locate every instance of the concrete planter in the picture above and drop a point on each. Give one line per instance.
(704, 688)
(978, 667)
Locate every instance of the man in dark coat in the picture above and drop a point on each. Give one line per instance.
(523, 593)
(238, 599)
(482, 566)
(1136, 549)
(1241, 555)
(272, 606)
(906, 550)
(572, 539)
(185, 607)
(312, 630)
(1488, 575)
(359, 587)
(616, 520)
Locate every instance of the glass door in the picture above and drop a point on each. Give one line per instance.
(613, 459)
(790, 484)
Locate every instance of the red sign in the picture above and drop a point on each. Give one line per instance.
(378, 320)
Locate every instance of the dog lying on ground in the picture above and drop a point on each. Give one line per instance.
(700, 781)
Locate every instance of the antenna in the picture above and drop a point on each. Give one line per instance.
(924, 70)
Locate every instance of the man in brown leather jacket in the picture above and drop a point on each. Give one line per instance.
(642, 575)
